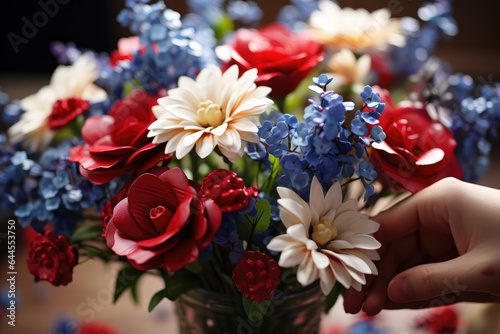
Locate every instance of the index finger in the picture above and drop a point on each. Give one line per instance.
(429, 207)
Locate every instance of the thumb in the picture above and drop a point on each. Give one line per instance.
(434, 280)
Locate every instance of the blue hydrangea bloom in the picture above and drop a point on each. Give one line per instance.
(247, 12)
(323, 146)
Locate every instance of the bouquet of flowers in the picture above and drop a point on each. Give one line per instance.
(240, 165)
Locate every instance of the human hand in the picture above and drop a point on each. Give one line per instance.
(440, 246)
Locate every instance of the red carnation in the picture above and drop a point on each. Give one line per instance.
(66, 110)
(52, 258)
(283, 59)
(227, 190)
(256, 276)
(117, 143)
(417, 151)
(162, 222)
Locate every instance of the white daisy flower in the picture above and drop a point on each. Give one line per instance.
(355, 29)
(70, 88)
(216, 109)
(326, 238)
(347, 69)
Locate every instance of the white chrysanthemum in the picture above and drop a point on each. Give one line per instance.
(326, 238)
(214, 110)
(355, 29)
(74, 81)
(347, 69)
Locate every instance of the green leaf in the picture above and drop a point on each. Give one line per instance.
(263, 216)
(156, 299)
(86, 232)
(255, 310)
(223, 26)
(133, 292)
(196, 267)
(332, 296)
(269, 182)
(244, 228)
(250, 225)
(180, 282)
(127, 279)
(92, 251)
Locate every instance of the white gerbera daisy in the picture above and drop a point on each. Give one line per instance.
(216, 109)
(70, 87)
(326, 238)
(347, 70)
(355, 29)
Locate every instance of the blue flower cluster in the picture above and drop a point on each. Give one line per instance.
(323, 145)
(11, 112)
(49, 189)
(475, 128)
(298, 13)
(170, 49)
(421, 41)
(209, 10)
(471, 113)
(247, 12)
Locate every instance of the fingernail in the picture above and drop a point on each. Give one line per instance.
(399, 290)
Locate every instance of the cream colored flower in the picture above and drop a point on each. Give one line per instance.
(326, 238)
(74, 81)
(355, 29)
(216, 109)
(347, 70)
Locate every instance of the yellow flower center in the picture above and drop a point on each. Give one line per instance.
(324, 232)
(209, 114)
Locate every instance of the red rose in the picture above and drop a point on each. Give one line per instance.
(162, 222)
(52, 258)
(227, 190)
(256, 276)
(109, 206)
(282, 58)
(117, 143)
(417, 151)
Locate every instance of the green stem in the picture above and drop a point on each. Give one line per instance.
(195, 165)
(92, 217)
(280, 103)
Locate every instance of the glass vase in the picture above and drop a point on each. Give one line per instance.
(200, 311)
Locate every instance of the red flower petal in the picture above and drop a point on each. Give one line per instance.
(147, 192)
(185, 253)
(176, 179)
(102, 176)
(128, 224)
(214, 219)
(96, 127)
(163, 242)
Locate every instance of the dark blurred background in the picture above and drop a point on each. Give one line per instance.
(92, 24)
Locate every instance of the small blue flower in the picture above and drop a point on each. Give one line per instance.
(358, 127)
(366, 171)
(369, 190)
(322, 81)
(377, 133)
